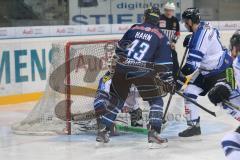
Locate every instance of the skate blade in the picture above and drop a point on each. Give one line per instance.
(193, 138)
(157, 146)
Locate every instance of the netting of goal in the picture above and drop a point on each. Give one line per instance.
(87, 63)
(75, 70)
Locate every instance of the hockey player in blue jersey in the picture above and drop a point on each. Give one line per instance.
(207, 60)
(141, 43)
(224, 92)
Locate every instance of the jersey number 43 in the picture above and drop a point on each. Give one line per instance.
(138, 49)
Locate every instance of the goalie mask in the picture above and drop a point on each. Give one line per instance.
(111, 63)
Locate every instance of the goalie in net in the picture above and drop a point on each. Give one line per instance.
(101, 100)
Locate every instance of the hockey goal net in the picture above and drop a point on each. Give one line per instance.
(75, 70)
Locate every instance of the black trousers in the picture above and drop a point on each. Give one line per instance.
(207, 83)
(121, 83)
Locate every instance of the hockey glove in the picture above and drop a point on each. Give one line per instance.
(175, 39)
(169, 85)
(219, 93)
(187, 40)
(187, 69)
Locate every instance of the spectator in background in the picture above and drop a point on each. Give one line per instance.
(169, 23)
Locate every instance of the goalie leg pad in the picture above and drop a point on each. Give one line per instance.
(111, 114)
(101, 102)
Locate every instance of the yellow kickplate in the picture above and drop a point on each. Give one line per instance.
(20, 98)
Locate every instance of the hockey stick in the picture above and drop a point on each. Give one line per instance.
(142, 64)
(60, 112)
(132, 129)
(171, 95)
(231, 105)
(197, 104)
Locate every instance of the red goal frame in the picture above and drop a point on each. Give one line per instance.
(68, 46)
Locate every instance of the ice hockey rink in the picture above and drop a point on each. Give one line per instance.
(40, 37)
(126, 146)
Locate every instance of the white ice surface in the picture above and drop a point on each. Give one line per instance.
(125, 147)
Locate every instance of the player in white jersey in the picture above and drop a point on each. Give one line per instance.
(207, 59)
(223, 92)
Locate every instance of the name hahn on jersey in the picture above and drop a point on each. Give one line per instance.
(143, 36)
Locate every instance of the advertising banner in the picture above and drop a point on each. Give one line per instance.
(111, 11)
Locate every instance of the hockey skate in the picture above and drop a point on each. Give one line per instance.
(155, 141)
(102, 135)
(192, 130)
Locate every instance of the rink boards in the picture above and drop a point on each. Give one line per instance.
(24, 64)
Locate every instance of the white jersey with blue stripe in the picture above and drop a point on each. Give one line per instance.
(231, 141)
(205, 50)
(235, 95)
(230, 144)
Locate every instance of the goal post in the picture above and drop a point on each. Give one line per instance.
(75, 70)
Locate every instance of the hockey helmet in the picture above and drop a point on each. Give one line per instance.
(170, 6)
(152, 15)
(193, 14)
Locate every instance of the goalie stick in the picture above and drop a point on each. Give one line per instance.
(60, 111)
